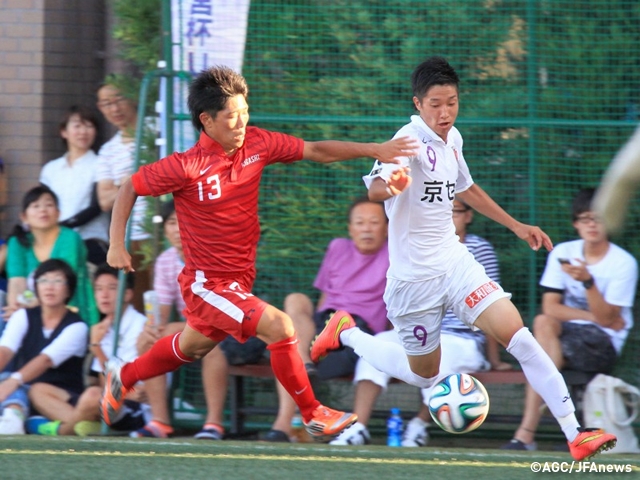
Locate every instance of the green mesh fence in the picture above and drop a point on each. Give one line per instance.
(549, 92)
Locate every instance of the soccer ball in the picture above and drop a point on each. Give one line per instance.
(459, 403)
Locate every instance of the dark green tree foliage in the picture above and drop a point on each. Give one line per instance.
(138, 29)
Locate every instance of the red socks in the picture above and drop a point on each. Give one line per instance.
(290, 372)
(165, 356)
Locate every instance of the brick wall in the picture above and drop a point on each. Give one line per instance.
(52, 55)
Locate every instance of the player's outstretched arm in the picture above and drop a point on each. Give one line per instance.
(329, 151)
(117, 256)
(480, 201)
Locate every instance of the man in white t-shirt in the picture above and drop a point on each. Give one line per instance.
(589, 287)
(115, 165)
(431, 271)
(116, 157)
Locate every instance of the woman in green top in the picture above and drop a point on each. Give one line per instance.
(45, 239)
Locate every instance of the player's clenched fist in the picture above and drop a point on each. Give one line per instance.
(118, 257)
(399, 181)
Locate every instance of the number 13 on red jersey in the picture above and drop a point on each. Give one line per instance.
(214, 185)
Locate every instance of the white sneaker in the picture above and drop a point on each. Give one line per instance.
(415, 435)
(11, 423)
(356, 434)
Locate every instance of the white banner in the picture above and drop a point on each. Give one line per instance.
(209, 32)
(204, 33)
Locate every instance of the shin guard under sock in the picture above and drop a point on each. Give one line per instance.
(289, 369)
(163, 357)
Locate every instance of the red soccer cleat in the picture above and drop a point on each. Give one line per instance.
(327, 423)
(591, 441)
(329, 337)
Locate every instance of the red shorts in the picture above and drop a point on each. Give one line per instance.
(217, 307)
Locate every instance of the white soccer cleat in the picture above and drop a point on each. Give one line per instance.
(415, 435)
(356, 434)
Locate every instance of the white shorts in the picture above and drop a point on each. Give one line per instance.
(416, 309)
(459, 355)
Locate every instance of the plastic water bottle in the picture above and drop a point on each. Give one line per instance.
(27, 299)
(394, 428)
(151, 307)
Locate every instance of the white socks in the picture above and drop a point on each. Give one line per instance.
(569, 426)
(545, 379)
(388, 357)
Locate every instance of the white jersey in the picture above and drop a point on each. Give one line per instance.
(422, 236)
(615, 276)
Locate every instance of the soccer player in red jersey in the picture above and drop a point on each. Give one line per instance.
(215, 188)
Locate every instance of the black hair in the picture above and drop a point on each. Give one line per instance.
(210, 90)
(360, 201)
(57, 265)
(126, 85)
(30, 197)
(86, 114)
(167, 209)
(433, 71)
(106, 269)
(582, 202)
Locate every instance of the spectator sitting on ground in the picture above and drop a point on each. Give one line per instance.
(43, 239)
(589, 288)
(47, 344)
(462, 350)
(72, 178)
(116, 163)
(167, 267)
(61, 417)
(352, 277)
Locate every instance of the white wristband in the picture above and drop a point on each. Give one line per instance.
(17, 376)
(388, 190)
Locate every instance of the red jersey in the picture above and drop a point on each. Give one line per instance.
(216, 197)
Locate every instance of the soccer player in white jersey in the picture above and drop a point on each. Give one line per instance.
(431, 271)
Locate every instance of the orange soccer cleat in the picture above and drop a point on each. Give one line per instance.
(327, 423)
(113, 393)
(591, 441)
(329, 337)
